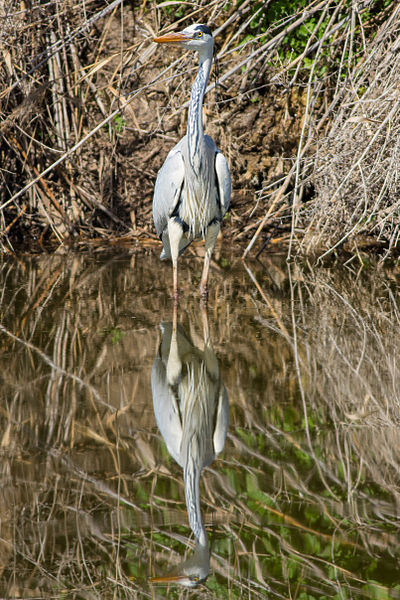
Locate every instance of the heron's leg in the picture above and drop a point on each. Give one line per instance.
(211, 238)
(208, 350)
(206, 328)
(175, 233)
(174, 363)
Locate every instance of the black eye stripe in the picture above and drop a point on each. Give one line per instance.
(204, 29)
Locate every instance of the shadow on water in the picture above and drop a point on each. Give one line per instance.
(96, 499)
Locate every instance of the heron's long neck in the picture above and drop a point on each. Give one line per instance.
(195, 130)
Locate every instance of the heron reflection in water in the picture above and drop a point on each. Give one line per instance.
(191, 409)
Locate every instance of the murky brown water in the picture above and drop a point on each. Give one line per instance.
(288, 388)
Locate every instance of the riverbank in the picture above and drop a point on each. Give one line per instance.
(306, 110)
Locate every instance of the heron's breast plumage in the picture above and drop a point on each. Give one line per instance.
(199, 198)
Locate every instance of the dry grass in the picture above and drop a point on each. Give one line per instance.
(356, 173)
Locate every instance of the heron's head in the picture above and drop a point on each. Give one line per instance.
(195, 37)
(191, 572)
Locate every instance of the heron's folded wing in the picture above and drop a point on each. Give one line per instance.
(168, 188)
(223, 181)
(166, 410)
(221, 421)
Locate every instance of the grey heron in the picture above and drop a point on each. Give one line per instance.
(191, 409)
(193, 187)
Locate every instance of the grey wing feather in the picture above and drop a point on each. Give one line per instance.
(166, 410)
(223, 181)
(221, 422)
(168, 188)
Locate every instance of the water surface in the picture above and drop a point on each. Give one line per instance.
(302, 501)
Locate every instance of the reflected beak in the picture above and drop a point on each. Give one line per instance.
(168, 579)
(172, 37)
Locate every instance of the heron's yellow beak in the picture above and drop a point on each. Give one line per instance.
(171, 38)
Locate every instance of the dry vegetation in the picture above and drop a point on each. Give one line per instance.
(306, 112)
(357, 177)
(305, 496)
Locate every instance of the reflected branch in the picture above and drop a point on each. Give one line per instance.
(56, 367)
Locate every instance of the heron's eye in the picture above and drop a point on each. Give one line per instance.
(199, 34)
(195, 579)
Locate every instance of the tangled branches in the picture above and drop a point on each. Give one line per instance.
(357, 174)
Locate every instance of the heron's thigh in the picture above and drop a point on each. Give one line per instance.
(211, 237)
(175, 233)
